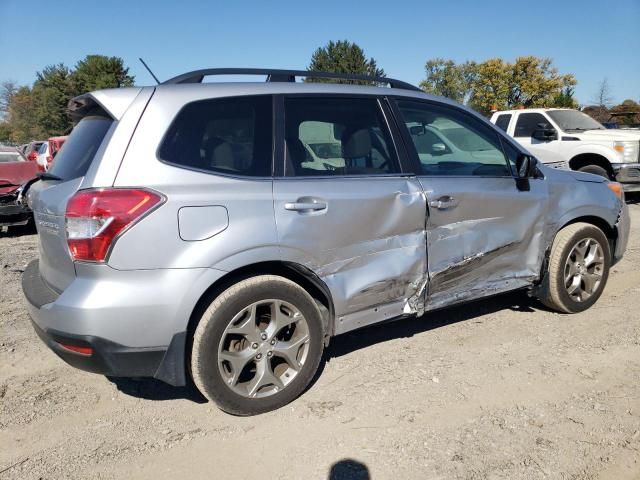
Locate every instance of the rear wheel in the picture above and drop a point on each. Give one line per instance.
(578, 268)
(595, 170)
(257, 346)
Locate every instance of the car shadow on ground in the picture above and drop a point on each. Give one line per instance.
(410, 326)
(152, 389)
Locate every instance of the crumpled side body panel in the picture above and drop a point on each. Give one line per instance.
(368, 246)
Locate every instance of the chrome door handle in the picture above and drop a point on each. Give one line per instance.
(305, 206)
(444, 202)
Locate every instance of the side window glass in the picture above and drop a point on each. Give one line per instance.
(337, 136)
(226, 135)
(450, 142)
(503, 121)
(527, 123)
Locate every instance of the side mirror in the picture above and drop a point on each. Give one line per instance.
(525, 169)
(524, 166)
(545, 133)
(439, 148)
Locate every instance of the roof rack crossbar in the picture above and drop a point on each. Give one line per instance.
(274, 75)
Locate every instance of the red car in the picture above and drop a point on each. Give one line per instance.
(15, 172)
(31, 150)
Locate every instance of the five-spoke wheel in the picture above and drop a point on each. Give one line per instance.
(258, 345)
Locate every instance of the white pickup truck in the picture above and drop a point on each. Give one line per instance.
(566, 138)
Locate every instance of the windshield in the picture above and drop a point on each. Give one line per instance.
(574, 120)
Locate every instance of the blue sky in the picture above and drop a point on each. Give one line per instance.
(592, 39)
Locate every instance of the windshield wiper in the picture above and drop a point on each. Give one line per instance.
(47, 176)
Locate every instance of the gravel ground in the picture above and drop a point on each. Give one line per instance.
(497, 389)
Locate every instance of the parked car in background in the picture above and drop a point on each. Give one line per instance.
(42, 158)
(55, 144)
(570, 138)
(15, 173)
(48, 151)
(31, 150)
(185, 230)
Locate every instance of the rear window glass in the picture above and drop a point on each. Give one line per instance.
(10, 157)
(75, 156)
(503, 121)
(226, 135)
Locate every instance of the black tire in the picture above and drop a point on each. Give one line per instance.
(554, 292)
(595, 170)
(213, 325)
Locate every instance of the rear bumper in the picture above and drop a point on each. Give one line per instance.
(628, 174)
(134, 322)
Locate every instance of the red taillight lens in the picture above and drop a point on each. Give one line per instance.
(77, 349)
(96, 217)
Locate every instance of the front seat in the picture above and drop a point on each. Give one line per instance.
(356, 145)
(219, 154)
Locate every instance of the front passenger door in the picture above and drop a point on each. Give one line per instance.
(346, 209)
(483, 233)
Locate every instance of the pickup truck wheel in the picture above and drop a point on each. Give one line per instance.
(596, 170)
(257, 346)
(578, 268)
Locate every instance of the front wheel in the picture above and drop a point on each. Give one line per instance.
(257, 346)
(578, 268)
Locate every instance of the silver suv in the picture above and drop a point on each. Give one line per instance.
(222, 233)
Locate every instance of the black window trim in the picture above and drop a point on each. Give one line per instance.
(413, 153)
(215, 172)
(385, 110)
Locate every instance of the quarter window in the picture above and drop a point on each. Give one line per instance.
(528, 122)
(450, 142)
(228, 135)
(337, 136)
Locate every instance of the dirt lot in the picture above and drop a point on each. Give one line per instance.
(496, 389)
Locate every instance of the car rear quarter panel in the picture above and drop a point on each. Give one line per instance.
(155, 242)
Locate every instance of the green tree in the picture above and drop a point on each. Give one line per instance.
(343, 57)
(447, 79)
(20, 117)
(96, 72)
(565, 99)
(7, 90)
(490, 89)
(528, 82)
(5, 132)
(51, 94)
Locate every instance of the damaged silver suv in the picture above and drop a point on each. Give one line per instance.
(222, 233)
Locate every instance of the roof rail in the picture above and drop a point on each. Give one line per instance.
(283, 76)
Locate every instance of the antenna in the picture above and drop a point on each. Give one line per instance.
(149, 70)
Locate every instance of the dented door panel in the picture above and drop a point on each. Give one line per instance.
(491, 240)
(367, 245)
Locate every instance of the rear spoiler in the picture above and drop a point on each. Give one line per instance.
(112, 102)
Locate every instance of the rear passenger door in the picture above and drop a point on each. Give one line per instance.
(347, 208)
(483, 233)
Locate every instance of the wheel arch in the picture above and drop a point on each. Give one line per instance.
(584, 159)
(295, 272)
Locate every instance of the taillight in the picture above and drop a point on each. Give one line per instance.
(96, 217)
